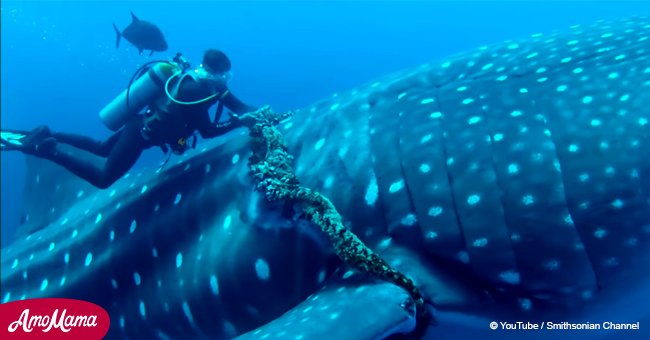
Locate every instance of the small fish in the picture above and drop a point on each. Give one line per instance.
(143, 35)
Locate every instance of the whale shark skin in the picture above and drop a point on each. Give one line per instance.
(512, 180)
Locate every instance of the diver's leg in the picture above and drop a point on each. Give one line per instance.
(126, 150)
(99, 148)
(123, 156)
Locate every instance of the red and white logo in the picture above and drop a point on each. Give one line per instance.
(52, 318)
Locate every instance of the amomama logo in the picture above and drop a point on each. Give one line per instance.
(52, 318)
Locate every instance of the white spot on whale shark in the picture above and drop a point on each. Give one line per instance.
(348, 274)
(512, 277)
(143, 311)
(133, 226)
(479, 243)
(329, 181)
(528, 200)
(463, 256)
(473, 199)
(262, 269)
(179, 260)
(89, 259)
(552, 265)
(468, 101)
(409, 220)
(435, 211)
(319, 144)
(214, 285)
(227, 222)
(396, 186)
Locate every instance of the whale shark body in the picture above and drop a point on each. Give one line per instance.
(513, 180)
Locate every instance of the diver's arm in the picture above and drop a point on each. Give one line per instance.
(235, 105)
(208, 129)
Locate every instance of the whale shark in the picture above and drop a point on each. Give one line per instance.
(511, 181)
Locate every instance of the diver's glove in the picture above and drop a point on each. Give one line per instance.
(246, 119)
(262, 115)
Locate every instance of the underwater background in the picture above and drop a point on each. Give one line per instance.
(60, 65)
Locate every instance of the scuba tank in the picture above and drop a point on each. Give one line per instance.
(142, 91)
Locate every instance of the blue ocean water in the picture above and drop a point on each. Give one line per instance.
(60, 65)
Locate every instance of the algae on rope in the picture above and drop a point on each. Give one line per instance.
(272, 171)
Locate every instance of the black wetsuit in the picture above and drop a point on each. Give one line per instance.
(124, 147)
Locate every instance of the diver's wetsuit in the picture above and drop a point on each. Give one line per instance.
(124, 147)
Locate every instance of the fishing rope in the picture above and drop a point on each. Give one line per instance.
(272, 171)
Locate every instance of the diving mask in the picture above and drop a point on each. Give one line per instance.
(219, 77)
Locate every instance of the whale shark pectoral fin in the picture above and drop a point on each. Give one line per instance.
(445, 284)
(344, 311)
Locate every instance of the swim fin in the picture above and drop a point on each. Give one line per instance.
(12, 139)
(36, 142)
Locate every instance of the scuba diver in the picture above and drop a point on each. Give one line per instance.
(177, 100)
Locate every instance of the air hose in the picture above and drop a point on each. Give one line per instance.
(169, 95)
